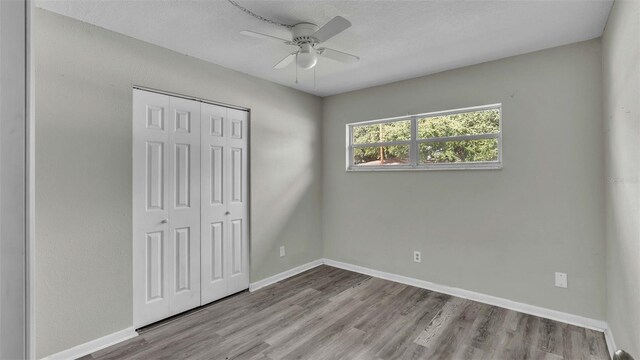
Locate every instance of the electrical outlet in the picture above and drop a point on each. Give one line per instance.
(282, 252)
(561, 280)
(417, 257)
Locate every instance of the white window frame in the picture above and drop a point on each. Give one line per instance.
(414, 144)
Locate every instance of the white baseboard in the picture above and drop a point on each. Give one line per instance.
(598, 325)
(593, 324)
(285, 274)
(94, 345)
(611, 345)
(126, 334)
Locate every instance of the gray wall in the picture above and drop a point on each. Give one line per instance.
(499, 232)
(13, 127)
(84, 76)
(621, 64)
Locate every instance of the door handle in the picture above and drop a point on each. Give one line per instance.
(164, 221)
(227, 213)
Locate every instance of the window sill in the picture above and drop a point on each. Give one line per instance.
(441, 167)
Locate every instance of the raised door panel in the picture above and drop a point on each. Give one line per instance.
(236, 174)
(182, 176)
(155, 117)
(216, 186)
(150, 208)
(184, 209)
(216, 254)
(155, 175)
(182, 254)
(236, 247)
(154, 270)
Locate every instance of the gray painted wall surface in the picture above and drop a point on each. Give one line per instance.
(621, 65)
(12, 179)
(499, 232)
(84, 76)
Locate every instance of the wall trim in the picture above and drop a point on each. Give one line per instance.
(128, 333)
(572, 319)
(593, 324)
(94, 345)
(611, 344)
(284, 275)
(598, 325)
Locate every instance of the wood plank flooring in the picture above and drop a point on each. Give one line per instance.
(330, 313)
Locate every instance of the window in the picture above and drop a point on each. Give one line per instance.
(469, 138)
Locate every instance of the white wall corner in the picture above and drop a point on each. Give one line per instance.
(94, 345)
(284, 275)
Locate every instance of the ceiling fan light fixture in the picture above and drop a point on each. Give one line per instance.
(307, 38)
(307, 57)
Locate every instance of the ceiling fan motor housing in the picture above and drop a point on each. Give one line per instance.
(301, 34)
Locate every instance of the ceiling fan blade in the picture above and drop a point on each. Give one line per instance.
(286, 61)
(265, 36)
(335, 26)
(338, 55)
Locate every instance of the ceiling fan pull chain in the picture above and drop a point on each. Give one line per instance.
(296, 68)
(244, 9)
(314, 77)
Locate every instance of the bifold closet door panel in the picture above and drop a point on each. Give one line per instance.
(166, 206)
(225, 241)
(151, 253)
(184, 204)
(214, 203)
(237, 196)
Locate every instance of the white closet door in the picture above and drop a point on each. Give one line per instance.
(190, 231)
(225, 250)
(166, 206)
(214, 202)
(184, 205)
(237, 209)
(150, 207)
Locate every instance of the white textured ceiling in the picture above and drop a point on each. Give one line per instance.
(395, 39)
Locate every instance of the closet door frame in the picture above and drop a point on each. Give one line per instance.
(139, 288)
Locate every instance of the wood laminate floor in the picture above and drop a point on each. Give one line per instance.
(329, 313)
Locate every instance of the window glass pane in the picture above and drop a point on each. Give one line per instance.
(471, 123)
(385, 155)
(459, 151)
(384, 132)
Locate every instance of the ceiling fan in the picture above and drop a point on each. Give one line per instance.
(307, 37)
